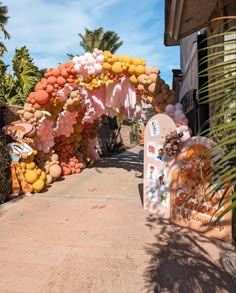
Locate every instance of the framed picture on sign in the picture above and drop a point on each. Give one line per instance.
(152, 172)
(151, 149)
(154, 128)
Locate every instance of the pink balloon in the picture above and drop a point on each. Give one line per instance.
(81, 59)
(91, 61)
(98, 67)
(185, 121)
(181, 116)
(91, 71)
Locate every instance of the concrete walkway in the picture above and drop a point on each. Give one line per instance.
(89, 233)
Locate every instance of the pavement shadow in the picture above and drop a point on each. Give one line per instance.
(179, 262)
(126, 160)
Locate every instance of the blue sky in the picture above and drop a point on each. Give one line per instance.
(49, 29)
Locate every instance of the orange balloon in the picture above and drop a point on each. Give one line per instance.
(38, 86)
(49, 88)
(61, 66)
(69, 64)
(41, 97)
(52, 80)
(36, 106)
(64, 73)
(61, 81)
(56, 72)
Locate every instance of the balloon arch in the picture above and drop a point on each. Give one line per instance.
(64, 109)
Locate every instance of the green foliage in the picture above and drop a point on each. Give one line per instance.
(220, 92)
(15, 87)
(110, 41)
(92, 39)
(3, 22)
(5, 170)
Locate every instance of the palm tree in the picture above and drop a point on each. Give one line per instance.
(3, 22)
(15, 87)
(220, 92)
(109, 41)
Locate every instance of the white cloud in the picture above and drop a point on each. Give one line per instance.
(49, 29)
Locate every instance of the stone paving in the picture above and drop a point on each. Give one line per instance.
(89, 233)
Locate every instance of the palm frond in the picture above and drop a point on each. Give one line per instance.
(219, 92)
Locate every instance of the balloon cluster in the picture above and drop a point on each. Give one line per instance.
(30, 115)
(76, 94)
(49, 162)
(47, 89)
(72, 166)
(177, 114)
(33, 175)
(89, 63)
(74, 102)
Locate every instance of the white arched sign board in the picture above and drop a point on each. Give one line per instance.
(156, 194)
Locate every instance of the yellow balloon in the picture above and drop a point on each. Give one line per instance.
(114, 59)
(117, 68)
(136, 61)
(139, 69)
(133, 79)
(31, 166)
(106, 66)
(43, 176)
(31, 176)
(131, 69)
(38, 185)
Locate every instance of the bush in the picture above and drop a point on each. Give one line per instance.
(5, 169)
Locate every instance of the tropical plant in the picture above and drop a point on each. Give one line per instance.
(220, 92)
(109, 41)
(16, 86)
(3, 22)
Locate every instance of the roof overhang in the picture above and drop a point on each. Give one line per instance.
(183, 17)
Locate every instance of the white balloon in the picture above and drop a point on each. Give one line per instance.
(186, 136)
(98, 67)
(88, 55)
(75, 59)
(183, 128)
(77, 67)
(81, 58)
(100, 58)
